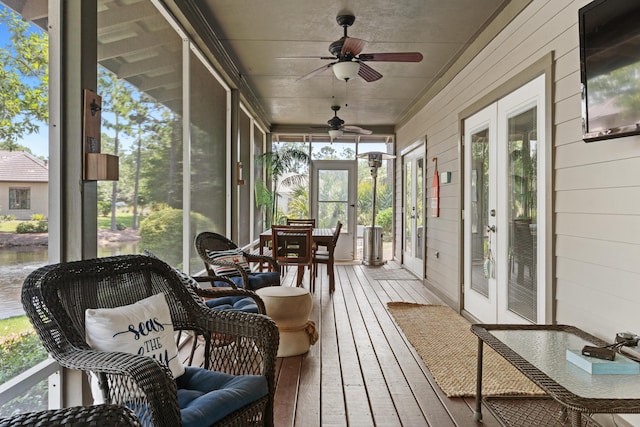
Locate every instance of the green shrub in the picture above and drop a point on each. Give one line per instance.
(19, 352)
(104, 207)
(120, 226)
(37, 217)
(26, 227)
(384, 219)
(161, 233)
(7, 218)
(32, 227)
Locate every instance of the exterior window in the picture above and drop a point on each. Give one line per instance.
(19, 198)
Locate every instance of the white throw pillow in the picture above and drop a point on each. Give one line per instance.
(143, 328)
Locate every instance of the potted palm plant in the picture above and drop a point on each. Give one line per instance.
(285, 167)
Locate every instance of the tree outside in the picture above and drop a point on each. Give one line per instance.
(24, 81)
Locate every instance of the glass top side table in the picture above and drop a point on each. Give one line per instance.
(539, 352)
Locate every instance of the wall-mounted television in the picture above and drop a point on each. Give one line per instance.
(610, 68)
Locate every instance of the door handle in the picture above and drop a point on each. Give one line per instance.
(352, 205)
(491, 228)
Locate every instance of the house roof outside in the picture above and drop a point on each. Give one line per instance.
(22, 167)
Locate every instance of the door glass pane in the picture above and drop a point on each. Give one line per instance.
(522, 193)
(408, 248)
(479, 214)
(419, 208)
(333, 198)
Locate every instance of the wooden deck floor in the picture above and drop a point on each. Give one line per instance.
(362, 371)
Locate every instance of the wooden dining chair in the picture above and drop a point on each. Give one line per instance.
(292, 246)
(302, 221)
(326, 257)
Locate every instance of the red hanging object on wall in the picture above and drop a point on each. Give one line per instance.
(435, 192)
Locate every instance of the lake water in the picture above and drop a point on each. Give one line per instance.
(17, 262)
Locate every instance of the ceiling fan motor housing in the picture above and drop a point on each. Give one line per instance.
(335, 48)
(345, 20)
(335, 122)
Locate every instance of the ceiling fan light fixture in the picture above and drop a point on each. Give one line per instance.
(335, 133)
(346, 70)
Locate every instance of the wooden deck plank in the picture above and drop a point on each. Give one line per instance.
(287, 391)
(358, 411)
(366, 332)
(403, 400)
(308, 408)
(362, 371)
(332, 398)
(422, 392)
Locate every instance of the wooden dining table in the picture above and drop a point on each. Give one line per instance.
(321, 237)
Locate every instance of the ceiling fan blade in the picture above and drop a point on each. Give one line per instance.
(333, 58)
(368, 73)
(353, 46)
(315, 72)
(392, 57)
(356, 129)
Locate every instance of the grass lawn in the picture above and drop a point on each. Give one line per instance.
(103, 222)
(9, 226)
(14, 325)
(121, 218)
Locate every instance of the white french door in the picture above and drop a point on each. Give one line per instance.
(333, 199)
(414, 215)
(504, 206)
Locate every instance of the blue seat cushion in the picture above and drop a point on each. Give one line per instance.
(205, 397)
(256, 280)
(237, 303)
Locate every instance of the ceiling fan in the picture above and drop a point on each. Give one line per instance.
(351, 62)
(337, 127)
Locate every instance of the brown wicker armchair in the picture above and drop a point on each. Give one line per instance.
(207, 243)
(55, 298)
(86, 416)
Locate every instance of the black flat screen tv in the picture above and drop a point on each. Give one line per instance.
(610, 68)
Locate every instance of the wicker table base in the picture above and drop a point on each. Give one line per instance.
(531, 411)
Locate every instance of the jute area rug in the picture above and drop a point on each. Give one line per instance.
(444, 340)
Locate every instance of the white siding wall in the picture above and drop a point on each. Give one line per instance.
(39, 199)
(596, 190)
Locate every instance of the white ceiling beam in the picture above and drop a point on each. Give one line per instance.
(167, 80)
(122, 15)
(35, 9)
(165, 62)
(134, 44)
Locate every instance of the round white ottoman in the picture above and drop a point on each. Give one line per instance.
(290, 307)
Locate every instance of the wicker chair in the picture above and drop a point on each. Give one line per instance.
(55, 298)
(213, 296)
(97, 415)
(207, 243)
(217, 298)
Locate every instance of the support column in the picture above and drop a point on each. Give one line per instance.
(72, 202)
(235, 157)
